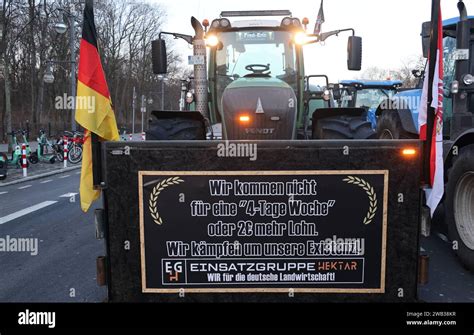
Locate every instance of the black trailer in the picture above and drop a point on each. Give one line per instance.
(194, 221)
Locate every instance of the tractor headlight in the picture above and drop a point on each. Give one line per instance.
(296, 22)
(225, 23)
(189, 97)
(286, 21)
(220, 23)
(468, 79)
(300, 38)
(244, 118)
(215, 24)
(212, 40)
(326, 95)
(455, 87)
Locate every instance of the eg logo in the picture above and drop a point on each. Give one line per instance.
(173, 269)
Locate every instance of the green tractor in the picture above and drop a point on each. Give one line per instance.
(250, 83)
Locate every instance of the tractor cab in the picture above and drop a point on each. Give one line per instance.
(255, 71)
(367, 94)
(249, 79)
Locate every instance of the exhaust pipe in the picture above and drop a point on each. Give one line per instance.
(200, 70)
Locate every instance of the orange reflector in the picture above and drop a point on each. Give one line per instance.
(244, 118)
(409, 152)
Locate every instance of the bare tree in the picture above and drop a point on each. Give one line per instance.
(403, 73)
(29, 41)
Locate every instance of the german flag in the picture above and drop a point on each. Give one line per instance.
(92, 86)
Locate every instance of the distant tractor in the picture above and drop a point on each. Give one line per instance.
(367, 94)
(458, 115)
(253, 85)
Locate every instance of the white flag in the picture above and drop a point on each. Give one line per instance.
(436, 178)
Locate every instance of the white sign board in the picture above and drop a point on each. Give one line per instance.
(196, 60)
(461, 54)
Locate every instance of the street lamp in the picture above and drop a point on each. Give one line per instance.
(48, 77)
(143, 110)
(61, 28)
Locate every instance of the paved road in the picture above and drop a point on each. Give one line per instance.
(67, 249)
(448, 280)
(64, 268)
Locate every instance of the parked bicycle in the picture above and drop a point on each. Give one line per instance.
(75, 142)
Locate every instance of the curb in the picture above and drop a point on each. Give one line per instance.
(39, 176)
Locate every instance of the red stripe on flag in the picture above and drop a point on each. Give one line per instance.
(423, 132)
(433, 162)
(90, 71)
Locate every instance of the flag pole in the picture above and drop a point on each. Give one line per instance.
(435, 12)
(96, 160)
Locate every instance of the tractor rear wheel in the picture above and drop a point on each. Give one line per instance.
(459, 206)
(176, 128)
(389, 127)
(343, 127)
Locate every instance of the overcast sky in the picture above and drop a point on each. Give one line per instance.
(390, 29)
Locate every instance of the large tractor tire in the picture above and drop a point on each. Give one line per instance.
(389, 127)
(459, 205)
(343, 127)
(177, 128)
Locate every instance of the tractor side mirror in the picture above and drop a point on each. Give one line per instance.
(159, 57)
(354, 53)
(425, 37)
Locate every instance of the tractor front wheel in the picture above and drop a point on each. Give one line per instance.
(459, 206)
(343, 127)
(389, 127)
(176, 128)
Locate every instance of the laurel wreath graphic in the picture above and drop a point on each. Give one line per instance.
(156, 192)
(370, 193)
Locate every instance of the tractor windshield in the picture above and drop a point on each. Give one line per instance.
(369, 98)
(255, 54)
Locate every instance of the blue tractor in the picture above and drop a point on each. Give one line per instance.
(403, 124)
(367, 94)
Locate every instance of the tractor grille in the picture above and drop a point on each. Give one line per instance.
(271, 113)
